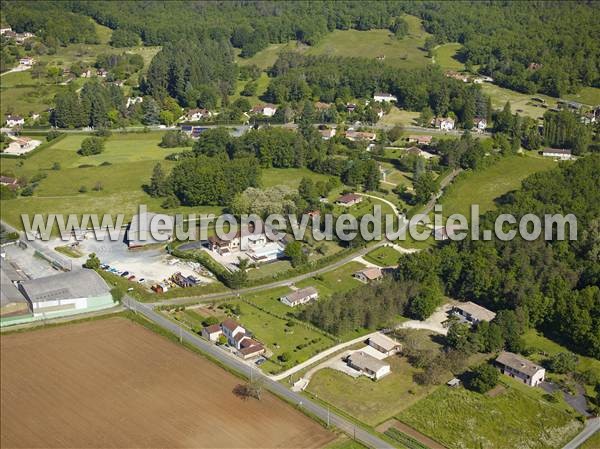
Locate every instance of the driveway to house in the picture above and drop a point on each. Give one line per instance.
(434, 323)
(577, 401)
(591, 427)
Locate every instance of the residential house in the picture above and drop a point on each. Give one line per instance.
(350, 107)
(183, 281)
(420, 140)
(385, 344)
(268, 110)
(472, 313)
(212, 332)
(300, 297)
(194, 115)
(327, 134)
(443, 123)
(480, 124)
(102, 73)
(367, 275)
(561, 154)
(368, 365)
(518, 367)
(5, 30)
(245, 239)
(132, 101)
(384, 96)
(86, 73)
(11, 183)
(321, 107)
(360, 135)
(230, 329)
(27, 61)
(14, 120)
(349, 199)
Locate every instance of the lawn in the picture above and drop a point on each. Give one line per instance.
(542, 348)
(368, 401)
(298, 341)
(384, 256)
(405, 53)
(445, 56)
(484, 186)
(336, 281)
(459, 418)
(261, 86)
(399, 117)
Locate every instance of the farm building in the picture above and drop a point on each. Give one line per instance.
(63, 294)
(384, 97)
(368, 365)
(561, 154)
(518, 367)
(12, 301)
(300, 297)
(350, 199)
(367, 275)
(472, 313)
(385, 344)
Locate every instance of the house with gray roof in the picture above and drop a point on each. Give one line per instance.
(368, 365)
(520, 368)
(299, 297)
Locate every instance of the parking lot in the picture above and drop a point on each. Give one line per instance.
(151, 264)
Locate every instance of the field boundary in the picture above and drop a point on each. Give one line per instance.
(412, 433)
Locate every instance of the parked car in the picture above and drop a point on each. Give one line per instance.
(141, 280)
(124, 273)
(131, 278)
(260, 361)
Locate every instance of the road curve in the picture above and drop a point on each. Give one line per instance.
(591, 427)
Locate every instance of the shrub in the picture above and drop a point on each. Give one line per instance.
(91, 146)
(53, 134)
(83, 189)
(56, 166)
(27, 191)
(483, 378)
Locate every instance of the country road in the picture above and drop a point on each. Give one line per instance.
(235, 363)
(591, 427)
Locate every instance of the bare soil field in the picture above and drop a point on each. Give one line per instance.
(113, 383)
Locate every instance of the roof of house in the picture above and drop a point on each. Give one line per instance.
(476, 311)
(82, 283)
(383, 94)
(370, 273)
(320, 106)
(360, 134)
(7, 180)
(13, 117)
(518, 363)
(425, 139)
(362, 360)
(230, 324)
(257, 347)
(383, 341)
(440, 120)
(348, 198)
(298, 295)
(213, 328)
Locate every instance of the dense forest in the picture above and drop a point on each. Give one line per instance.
(550, 47)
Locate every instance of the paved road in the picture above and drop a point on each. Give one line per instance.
(233, 362)
(591, 427)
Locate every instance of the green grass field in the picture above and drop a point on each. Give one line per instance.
(384, 256)
(338, 280)
(519, 102)
(517, 417)
(289, 176)
(592, 443)
(445, 57)
(132, 158)
(587, 95)
(482, 187)
(264, 59)
(368, 401)
(262, 83)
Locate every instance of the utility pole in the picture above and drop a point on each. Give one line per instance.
(327, 416)
(180, 336)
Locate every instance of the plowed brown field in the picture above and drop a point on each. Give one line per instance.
(113, 383)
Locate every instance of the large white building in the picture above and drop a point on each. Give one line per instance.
(558, 153)
(384, 97)
(66, 293)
